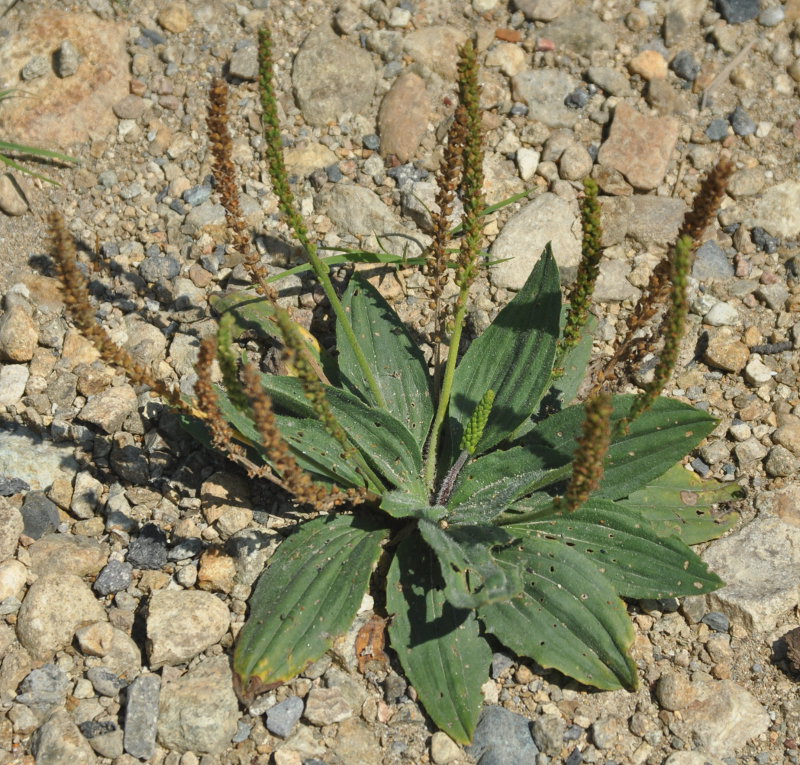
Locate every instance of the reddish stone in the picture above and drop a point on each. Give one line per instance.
(509, 35)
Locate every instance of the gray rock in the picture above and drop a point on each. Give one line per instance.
(149, 549)
(109, 409)
(581, 32)
(37, 66)
(655, 220)
(548, 733)
(282, 718)
(722, 314)
(54, 607)
(145, 342)
(544, 91)
(674, 691)
(11, 528)
(331, 77)
(183, 351)
(244, 63)
(738, 11)
(751, 450)
(114, 577)
(780, 462)
(51, 461)
(128, 459)
(109, 744)
(762, 585)
(711, 263)
(59, 741)
(547, 218)
(67, 59)
(612, 284)
(502, 738)
(542, 10)
(612, 81)
(40, 515)
(778, 210)
(141, 716)
(723, 718)
(156, 267)
(360, 212)
(13, 378)
(198, 712)
(774, 295)
(44, 688)
(182, 624)
(105, 682)
(205, 217)
(436, 48)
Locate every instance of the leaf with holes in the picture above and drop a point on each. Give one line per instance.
(308, 595)
(439, 646)
(625, 548)
(569, 616)
(682, 503)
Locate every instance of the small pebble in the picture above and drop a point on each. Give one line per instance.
(717, 129)
(738, 11)
(685, 65)
(771, 17)
(741, 122)
(717, 621)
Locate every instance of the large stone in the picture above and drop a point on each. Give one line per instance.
(67, 554)
(13, 379)
(109, 409)
(53, 608)
(199, 712)
(436, 48)
(639, 146)
(141, 715)
(762, 585)
(304, 160)
(59, 742)
(18, 335)
(331, 77)
(73, 110)
(722, 718)
(182, 624)
(403, 117)
(777, 211)
(581, 32)
(548, 218)
(544, 91)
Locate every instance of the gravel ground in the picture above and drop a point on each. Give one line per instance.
(127, 556)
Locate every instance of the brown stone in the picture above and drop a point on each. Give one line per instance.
(18, 335)
(403, 117)
(640, 147)
(55, 112)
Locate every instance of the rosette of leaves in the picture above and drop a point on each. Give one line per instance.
(478, 498)
(460, 474)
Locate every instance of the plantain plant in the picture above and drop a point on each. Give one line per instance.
(476, 495)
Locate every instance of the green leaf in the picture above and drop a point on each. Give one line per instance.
(472, 576)
(439, 646)
(312, 446)
(395, 359)
(385, 442)
(308, 595)
(575, 363)
(657, 439)
(401, 504)
(626, 549)
(489, 484)
(569, 617)
(513, 357)
(681, 503)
